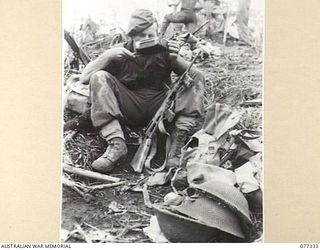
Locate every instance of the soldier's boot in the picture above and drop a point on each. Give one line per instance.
(116, 150)
(179, 139)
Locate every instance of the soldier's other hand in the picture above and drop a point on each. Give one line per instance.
(119, 53)
(174, 48)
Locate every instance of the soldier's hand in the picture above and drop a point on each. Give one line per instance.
(174, 47)
(119, 53)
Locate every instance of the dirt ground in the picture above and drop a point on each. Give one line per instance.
(117, 214)
(126, 225)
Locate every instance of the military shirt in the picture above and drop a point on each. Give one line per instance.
(143, 71)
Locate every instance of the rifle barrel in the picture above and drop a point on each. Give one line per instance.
(74, 46)
(200, 27)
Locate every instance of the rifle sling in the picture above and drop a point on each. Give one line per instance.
(153, 152)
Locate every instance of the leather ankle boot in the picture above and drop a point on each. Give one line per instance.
(116, 150)
(180, 138)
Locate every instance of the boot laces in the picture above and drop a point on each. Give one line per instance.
(113, 146)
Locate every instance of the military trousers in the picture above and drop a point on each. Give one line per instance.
(112, 103)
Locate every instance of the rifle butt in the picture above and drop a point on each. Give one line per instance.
(137, 162)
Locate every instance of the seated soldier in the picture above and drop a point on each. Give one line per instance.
(128, 88)
(186, 15)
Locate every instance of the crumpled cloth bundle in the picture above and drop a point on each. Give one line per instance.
(219, 139)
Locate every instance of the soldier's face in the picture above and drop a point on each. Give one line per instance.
(147, 33)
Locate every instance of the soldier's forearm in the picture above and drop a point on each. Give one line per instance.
(100, 63)
(87, 72)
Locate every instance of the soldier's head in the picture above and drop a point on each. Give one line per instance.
(142, 25)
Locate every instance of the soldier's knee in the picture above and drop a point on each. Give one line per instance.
(199, 89)
(101, 74)
(199, 76)
(199, 80)
(100, 77)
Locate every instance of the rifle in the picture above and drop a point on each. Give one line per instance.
(138, 161)
(83, 120)
(200, 27)
(74, 46)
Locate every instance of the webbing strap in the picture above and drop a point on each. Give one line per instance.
(153, 152)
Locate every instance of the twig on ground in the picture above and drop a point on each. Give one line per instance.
(82, 233)
(69, 136)
(70, 235)
(102, 186)
(89, 225)
(88, 173)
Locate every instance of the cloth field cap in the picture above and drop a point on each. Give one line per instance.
(140, 20)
